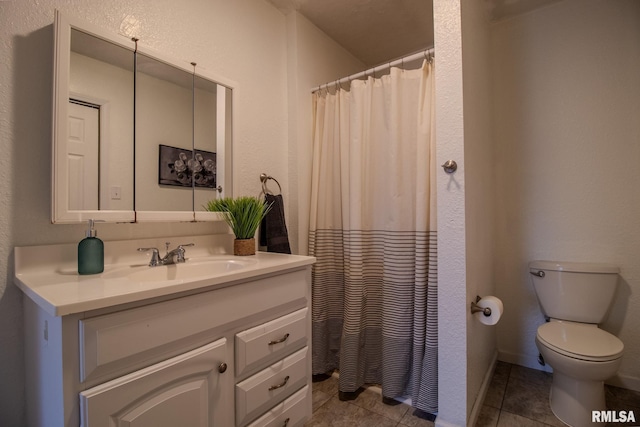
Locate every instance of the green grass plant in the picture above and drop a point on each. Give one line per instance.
(243, 214)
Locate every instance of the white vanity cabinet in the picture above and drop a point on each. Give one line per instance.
(186, 390)
(230, 353)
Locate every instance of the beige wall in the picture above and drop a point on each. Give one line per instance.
(242, 40)
(314, 59)
(161, 122)
(479, 187)
(566, 155)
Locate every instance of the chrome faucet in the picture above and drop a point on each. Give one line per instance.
(173, 256)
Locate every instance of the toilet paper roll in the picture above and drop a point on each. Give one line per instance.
(496, 307)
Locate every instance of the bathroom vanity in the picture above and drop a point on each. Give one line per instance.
(215, 341)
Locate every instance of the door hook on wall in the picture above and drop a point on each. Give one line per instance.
(450, 166)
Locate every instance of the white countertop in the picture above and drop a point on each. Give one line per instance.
(48, 274)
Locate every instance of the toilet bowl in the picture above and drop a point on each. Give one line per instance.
(582, 357)
(576, 297)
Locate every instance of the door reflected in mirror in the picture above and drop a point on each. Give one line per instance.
(99, 147)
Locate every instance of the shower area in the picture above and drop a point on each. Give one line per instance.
(386, 223)
(373, 231)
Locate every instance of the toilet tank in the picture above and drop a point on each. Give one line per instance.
(575, 291)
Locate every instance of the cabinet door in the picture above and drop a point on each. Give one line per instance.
(187, 390)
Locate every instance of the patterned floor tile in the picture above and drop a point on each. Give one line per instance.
(410, 419)
(517, 397)
(507, 419)
(488, 417)
(372, 401)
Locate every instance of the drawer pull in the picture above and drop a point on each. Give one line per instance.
(283, 339)
(286, 422)
(222, 368)
(282, 384)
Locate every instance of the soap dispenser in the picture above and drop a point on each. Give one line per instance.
(90, 253)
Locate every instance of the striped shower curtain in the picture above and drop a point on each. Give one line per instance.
(373, 232)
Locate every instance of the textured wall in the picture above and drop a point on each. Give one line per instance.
(452, 306)
(567, 149)
(242, 40)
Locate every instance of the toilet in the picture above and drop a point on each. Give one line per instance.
(576, 298)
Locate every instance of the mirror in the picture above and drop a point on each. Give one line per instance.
(93, 127)
(137, 136)
(164, 136)
(212, 141)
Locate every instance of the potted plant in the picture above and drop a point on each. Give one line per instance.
(243, 214)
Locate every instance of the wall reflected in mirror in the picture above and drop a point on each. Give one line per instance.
(164, 117)
(205, 121)
(99, 149)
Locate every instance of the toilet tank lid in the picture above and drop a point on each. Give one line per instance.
(576, 267)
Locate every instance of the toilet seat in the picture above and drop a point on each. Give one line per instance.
(580, 341)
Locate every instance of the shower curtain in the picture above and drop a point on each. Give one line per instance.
(373, 232)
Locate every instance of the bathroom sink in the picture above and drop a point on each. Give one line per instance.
(196, 269)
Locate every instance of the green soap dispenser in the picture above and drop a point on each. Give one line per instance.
(90, 253)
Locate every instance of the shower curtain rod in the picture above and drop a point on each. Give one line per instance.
(371, 71)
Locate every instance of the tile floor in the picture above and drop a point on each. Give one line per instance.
(367, 410)
(517, 397)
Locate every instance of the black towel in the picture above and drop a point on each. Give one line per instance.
(273, 230)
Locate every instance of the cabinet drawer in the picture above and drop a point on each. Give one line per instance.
(278, 336)
(263, 390)
(290, 413)
(120, 342)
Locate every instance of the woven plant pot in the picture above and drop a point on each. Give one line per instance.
(244, 247)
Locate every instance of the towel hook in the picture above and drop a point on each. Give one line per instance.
(264, 178)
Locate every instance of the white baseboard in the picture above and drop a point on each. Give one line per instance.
(625, 381)
(477, 405)
(523, 360)
(622, 381)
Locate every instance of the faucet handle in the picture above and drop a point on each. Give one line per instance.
(181, 251)
(147, 249)
(155, 255)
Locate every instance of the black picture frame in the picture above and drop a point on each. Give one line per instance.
(180, 167)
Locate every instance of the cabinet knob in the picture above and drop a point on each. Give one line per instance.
(222, 368)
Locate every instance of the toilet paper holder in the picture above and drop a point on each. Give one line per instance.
(475, 308)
